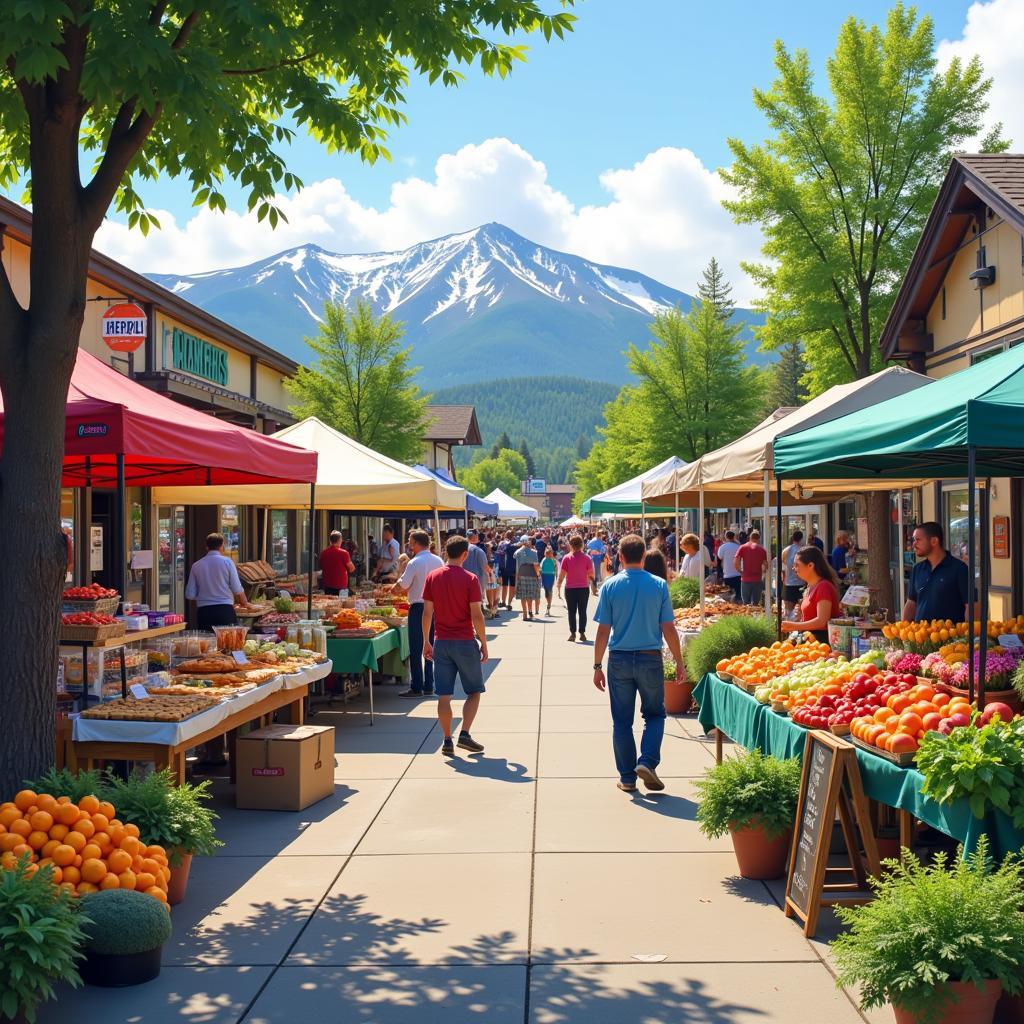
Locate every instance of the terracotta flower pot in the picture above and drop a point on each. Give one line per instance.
(179, 880)
(888, 847)
(758, 856)
(973, 1005)
(678, 697)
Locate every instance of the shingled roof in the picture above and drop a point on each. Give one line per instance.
(453, 424)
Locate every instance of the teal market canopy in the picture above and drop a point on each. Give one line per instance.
(624, 499)
(981, 407)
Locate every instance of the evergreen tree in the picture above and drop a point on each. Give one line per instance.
(524, 450)
(583, 446)
(504, 441)
(714, 288)
(786, 387)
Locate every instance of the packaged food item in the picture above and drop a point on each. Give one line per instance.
(191, 644)
(104, 670)
(230, 638)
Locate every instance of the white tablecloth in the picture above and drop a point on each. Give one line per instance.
(170, 734)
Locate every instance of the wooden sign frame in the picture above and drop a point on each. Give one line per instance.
(844, 792)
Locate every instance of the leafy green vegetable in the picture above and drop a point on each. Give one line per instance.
(746, 789)
(983, 766)
(40, 936)
(930, 925)
(68, 783)
(123, 921)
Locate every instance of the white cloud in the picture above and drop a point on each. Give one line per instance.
(994, 31)
(663, 217)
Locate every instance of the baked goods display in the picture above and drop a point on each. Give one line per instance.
(206, 666)
(152, 709)
(205, 687)
(348, 618)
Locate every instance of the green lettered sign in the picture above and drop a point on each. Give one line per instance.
(193, 355)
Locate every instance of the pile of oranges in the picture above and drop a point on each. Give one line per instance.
(761, 665)
(900, 725)
(86, 846)
(925, 637)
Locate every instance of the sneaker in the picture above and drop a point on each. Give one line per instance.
(572, 638)
(649, 777)
(627, 787)
(412, 694)
(448, 748)
(466, 742)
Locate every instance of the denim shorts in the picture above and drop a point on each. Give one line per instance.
(457, 658)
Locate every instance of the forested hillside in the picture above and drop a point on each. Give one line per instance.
(556, 416)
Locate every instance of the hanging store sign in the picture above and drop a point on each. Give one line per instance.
(193, 355)
(124, 327)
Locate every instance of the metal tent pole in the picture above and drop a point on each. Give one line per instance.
(768, 541)
(700, 541)
(437, 533)
(902, 588)
(778, 542)
(971, 503)
(120, 563)
(309, 555)
(985, 576)
(676, 527)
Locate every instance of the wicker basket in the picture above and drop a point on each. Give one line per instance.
(75, 634)
(102, 606)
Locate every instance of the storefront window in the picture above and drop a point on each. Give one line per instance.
(279, 540)
(956, 524)
(67, 524)
(170, 560)
(228, 525)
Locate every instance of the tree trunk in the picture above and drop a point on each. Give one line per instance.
(879, 541)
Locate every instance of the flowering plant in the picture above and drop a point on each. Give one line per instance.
(935, 666)
(904, 661)
(1000, 666)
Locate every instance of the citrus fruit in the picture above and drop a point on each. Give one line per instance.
(63, 855)
(25, 799)
(93, 870)
(41, 821)
(127, 879)
(89, 804)
(110, 881)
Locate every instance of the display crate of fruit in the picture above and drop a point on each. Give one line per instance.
(904, 760)
(72, 632)
(93, 598)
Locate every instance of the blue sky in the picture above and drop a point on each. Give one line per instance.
(606, 144)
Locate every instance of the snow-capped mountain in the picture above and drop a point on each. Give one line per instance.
(475, 305)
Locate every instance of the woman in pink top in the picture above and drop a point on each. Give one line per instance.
(577, 572)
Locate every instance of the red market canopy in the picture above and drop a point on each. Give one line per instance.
(162, 441)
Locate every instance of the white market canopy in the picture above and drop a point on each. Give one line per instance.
(735, 474)
(574, 521)
(350, 477)
(508, 507)
(624, 499)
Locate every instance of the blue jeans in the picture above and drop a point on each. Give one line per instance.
(630, 673)
(421, 680)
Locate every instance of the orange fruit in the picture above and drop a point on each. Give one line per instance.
(25, 799)
(89, 804)
(84, 887)
(68, 887)
(132, 830)
(911, 723)
(9, 841)
(106, 808)
(157, 893)
(144, 880)
(41, 821)
(102, 840)
(85, 827)
(46, 802)
(68, 814)
(58, 874)
(136, 863)
(941, 699)
(37, 840)
(20, 827)
(49, 847)
(100, 821)
(22, 849)
(156, 851)
(58, 832)
(8, 815)
(91, 852)
(119, 861)
(63, 855)
(94, 870)
(150, 865)
(110, 881)
(882, 714)
(127, 879)
(72, 874)
(75, 840)
(899, 702)
(130, 844)
(116, 832)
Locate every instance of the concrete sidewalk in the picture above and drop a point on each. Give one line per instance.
(515, 887)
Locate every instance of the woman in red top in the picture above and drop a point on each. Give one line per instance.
(821, 597)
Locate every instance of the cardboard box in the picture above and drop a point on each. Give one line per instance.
(284, 767)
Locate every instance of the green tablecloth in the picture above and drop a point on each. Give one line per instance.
(395, 661)
(355, 654)
(745, 721)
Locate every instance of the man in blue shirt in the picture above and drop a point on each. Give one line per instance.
(634, 614)
(596, 549)
(939, 583)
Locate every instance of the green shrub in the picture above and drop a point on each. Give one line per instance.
(67, 783)
(685, 592)
(124, 921)
(748, 787)
(726, 638)
(930, 925)
(174, 817)
(40, 939)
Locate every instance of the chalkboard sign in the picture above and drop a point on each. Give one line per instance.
(831, 782)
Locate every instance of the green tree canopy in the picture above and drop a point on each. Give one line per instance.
(504, 441)
(843, 185)
(786, 378)
(487, 474)
(524, 450)
(515, 463)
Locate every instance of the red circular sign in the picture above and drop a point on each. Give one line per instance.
(124, 327)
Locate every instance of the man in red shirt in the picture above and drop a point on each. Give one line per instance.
(335, 565)
(453, 602)
(751, 560)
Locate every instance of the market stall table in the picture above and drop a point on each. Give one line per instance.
(164, 743)
(736, 714)
(353, 655)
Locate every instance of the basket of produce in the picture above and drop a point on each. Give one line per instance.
(93, 598)
(78, 626)
(904, 760)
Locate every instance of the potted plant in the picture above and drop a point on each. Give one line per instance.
(174, 817)
(753, 798)
(678, 696)
(724, 639)
(40, 938)
(939, 943)
(124, 938)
